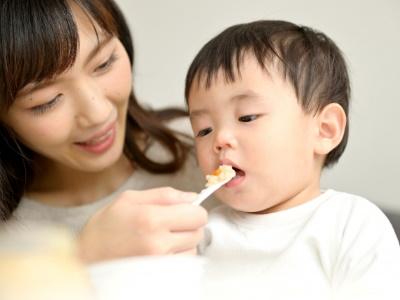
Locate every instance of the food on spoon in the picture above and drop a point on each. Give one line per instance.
(223, 173)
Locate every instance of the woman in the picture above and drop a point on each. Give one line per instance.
(74, 142)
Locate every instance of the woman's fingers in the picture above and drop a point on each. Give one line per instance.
(152, 222)
(160, 196)
(169, 229)
(181, 217)
(192, 251)
(185, 242)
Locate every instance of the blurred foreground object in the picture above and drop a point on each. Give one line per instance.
(41, 263)
(175, 277)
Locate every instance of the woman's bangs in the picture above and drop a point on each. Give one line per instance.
(42, 41)
(100, 14)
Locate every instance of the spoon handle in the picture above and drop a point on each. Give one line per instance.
(205, 193)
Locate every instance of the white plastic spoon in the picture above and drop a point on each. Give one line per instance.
(206, 192)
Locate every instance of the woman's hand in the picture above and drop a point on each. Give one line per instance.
(151, 222)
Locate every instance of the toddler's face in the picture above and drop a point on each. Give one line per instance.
(256, 125)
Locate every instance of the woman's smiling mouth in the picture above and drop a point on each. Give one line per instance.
(100, 142)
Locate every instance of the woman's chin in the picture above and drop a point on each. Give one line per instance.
(100, 163)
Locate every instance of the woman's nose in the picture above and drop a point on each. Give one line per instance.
(93, 107)
(224, 139)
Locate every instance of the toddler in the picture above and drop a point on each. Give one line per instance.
(271, 99)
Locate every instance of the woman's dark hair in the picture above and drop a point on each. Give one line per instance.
(308, 59)
(38, 40)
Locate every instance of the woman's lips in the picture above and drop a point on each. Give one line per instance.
(99, 144)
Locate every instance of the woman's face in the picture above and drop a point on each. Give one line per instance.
(78, 118)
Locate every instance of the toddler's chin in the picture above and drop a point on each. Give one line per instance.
(243, 205)
(236, 205)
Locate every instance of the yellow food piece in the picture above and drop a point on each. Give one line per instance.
(217, 172)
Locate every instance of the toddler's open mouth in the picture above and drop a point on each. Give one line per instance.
(239, 177)
(239, 172)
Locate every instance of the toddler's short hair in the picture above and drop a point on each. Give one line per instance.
(308, 59)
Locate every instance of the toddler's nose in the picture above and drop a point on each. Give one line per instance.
(224, 139)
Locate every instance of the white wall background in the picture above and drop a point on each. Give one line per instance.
(168, 34)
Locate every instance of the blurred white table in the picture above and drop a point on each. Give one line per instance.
(167, 277)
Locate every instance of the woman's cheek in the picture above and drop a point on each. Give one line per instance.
(47, 133)
(118, 83)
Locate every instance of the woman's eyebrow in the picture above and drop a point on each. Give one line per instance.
(100, 45)
(32, 87)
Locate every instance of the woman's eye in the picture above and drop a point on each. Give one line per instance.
(204, 132)
(107, 64)
(248, 118)
(42, 108)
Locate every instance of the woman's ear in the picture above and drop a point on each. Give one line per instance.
(331, 123)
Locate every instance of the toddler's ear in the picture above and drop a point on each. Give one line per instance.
(331, 122)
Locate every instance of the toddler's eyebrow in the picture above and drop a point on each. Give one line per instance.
(197, 113)
(246, 96)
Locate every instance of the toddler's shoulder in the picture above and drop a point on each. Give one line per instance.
(356, 215)
(353, 205)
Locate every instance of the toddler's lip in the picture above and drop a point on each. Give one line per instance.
(227, 162)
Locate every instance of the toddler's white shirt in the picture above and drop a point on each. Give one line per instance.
(337, 245)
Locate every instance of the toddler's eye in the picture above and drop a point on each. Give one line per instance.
(248, 118)
(204, 132)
